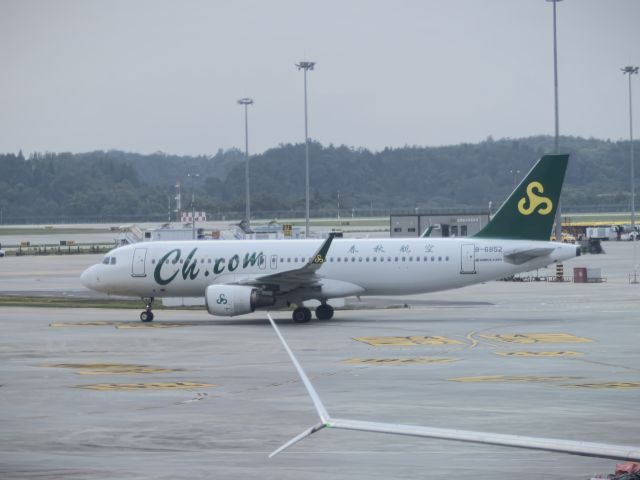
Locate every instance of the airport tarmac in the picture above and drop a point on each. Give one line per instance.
(95, 394)
(37, 274)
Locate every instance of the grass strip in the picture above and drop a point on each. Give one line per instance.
(73, 302)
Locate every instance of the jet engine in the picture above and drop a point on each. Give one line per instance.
(232, 300)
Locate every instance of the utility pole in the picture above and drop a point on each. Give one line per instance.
(246, 102)
(630, 70)
(306, 66)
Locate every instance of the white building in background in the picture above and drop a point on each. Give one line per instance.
(455, 224)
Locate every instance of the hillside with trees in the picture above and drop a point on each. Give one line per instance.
(120, 186)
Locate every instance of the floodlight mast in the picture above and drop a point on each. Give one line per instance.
(193, 176)
(631, 70)
(558, 229)
(246, 102)
(306, 66)
(178, 198)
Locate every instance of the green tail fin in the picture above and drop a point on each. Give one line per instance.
(530, 210)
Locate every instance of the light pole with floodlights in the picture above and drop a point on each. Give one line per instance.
(556, 141)
(629, 70)
(193, 176)
(306, 66)
(246, 102)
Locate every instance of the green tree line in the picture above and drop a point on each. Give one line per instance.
(115, 183)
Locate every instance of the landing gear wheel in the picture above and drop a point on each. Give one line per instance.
(301, 315)
(147, 314)
(324, 312)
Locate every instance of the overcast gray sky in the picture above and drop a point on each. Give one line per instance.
(148, 75)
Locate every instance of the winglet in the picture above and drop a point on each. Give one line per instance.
(427, 232)
(321, 254)
(296, 439)
(317, 403)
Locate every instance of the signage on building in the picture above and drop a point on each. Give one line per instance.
(199, 217)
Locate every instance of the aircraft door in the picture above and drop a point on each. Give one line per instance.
(468, 258)
(137, 266)
(262, 261)
(274, 262)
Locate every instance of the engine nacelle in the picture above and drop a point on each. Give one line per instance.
(232, 300)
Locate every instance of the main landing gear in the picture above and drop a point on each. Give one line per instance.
(303, 314)
(147, 314)
(324, 312)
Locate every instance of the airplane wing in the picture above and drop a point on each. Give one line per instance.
(571, 447)
(588, 449)
(304, 276)
(520, 256)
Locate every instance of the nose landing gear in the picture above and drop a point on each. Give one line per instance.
(147, 314)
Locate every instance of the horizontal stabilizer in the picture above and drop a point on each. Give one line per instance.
(518, 257)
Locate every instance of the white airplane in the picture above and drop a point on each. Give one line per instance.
(239, 276)
(572, 447)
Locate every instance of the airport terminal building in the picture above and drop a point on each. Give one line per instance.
(455, 223)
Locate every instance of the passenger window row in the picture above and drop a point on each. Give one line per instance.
(390, 259)
(331, 259)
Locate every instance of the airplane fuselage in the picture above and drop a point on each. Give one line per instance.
(238, 277)
(351, 267)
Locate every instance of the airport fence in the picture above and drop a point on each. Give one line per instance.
(235, 215)
(52, 249)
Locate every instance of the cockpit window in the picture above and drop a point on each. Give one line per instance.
(109, 260)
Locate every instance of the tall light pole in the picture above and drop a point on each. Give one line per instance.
(557, 114)
(246, 102)
(629, 70)
(306, 66)
(178, 198)
(193, 176)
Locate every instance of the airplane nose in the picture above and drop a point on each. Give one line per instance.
(89, 278)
